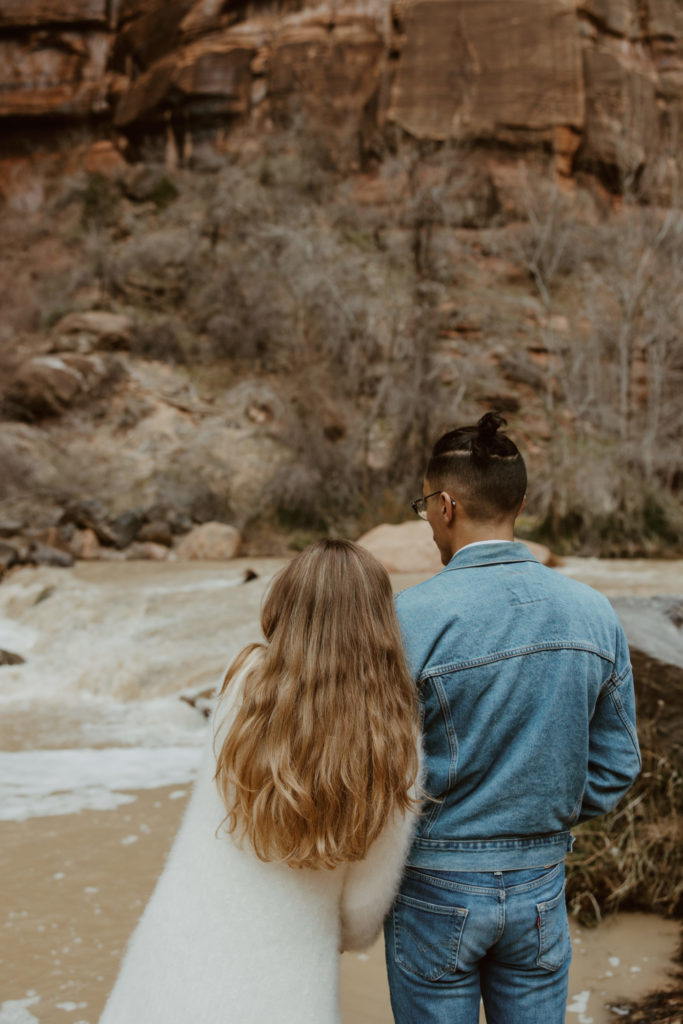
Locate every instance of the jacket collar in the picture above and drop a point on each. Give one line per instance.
(489, 554)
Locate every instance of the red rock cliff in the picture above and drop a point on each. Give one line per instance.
(600, 82)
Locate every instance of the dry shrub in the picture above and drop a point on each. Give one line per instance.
(631, 859)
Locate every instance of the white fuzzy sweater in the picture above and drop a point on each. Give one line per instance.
(229, 939)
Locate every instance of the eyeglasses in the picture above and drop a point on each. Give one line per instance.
(419, 506)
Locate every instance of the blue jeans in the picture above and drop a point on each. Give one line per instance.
(455, 937)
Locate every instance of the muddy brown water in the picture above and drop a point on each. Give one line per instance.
(73, 885)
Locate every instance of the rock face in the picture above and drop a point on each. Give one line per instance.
(473, 69)
(598, 81)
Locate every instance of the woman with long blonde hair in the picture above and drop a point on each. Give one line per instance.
(295, 837)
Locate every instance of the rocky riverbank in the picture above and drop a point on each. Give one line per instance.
(82, 532)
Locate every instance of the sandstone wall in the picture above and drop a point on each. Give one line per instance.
(598, 82)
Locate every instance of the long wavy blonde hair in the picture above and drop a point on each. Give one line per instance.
(323, 747)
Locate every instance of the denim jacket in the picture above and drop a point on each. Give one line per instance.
(528, 710)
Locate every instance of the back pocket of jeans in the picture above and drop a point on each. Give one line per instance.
(427, 937)
(554, 942)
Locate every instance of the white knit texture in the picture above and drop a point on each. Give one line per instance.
(229, 939)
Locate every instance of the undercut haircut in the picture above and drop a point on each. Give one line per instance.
(483, 468)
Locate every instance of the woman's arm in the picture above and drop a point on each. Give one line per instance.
(372, 883)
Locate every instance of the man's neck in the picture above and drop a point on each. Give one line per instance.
(475, 533)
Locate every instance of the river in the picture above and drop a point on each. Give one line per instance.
(93, 734)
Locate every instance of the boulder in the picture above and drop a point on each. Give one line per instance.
(90, 515)
(146, 551)
(156, 532)
(125, 527)
(47, 385)
(409, 547)
(43, 554)
(84, 545)
(83, 332)
(403, 547)
(8, 658)
(9, 556)
(210, 542)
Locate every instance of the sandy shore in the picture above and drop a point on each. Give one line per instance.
(73, 886)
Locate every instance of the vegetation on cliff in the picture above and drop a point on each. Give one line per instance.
(364, 314)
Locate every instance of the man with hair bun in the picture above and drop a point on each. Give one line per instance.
(528, 717)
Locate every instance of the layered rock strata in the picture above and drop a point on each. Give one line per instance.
(598, 82)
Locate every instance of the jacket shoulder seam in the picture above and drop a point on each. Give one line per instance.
(517, 652)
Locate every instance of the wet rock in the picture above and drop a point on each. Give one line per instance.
(147, 551)
(8, 658)
(125, 527)
(204, 701)
(249, 575)
(210, 542)
(158, 532)
(85, 546)
(43, 554)
(90, 515)
(9, 556)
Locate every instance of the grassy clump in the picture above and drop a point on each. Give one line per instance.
(631, 859)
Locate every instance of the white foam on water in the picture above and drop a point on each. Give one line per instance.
(16, 638)
(36, 783)
(579, 1005)
(127, 638)
(14, 1011)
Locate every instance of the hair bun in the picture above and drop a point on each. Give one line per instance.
(486, 440)
(490, 424)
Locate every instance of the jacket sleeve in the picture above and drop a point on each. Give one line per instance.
(371, 884)
(613, 752)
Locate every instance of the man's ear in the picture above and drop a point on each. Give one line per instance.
(447, 507)
(521, 506)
